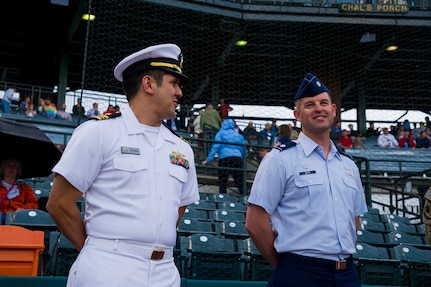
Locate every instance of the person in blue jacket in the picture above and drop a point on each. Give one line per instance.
(230, 157)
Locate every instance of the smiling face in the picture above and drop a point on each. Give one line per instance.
(316, 114)
(166, 96)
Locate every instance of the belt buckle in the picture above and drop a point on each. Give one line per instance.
(157, 254)
(340, 265)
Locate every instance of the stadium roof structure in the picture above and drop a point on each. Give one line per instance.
(44, 44)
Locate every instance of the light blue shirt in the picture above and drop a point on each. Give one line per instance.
(312, 201)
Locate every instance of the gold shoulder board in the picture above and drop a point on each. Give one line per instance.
(106, 117)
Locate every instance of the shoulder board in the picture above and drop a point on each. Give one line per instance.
(341, 151)
(286, 146)
(181, 137)
(106, 117)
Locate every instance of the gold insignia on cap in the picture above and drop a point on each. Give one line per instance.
(167, 65)
(180, 60)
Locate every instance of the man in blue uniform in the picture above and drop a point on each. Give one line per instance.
(306, 199)
(137, 178)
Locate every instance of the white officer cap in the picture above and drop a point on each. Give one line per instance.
(167, 57)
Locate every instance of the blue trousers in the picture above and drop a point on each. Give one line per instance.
(295, 270)
(5, 105)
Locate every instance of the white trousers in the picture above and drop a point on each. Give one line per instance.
(106, 267)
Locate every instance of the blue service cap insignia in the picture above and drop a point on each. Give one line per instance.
(167, 57)
(310, 87)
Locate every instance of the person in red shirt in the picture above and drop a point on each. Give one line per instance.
(345, 140)
(407, 140)
(224, 108)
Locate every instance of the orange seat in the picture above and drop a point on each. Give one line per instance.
(20, 251)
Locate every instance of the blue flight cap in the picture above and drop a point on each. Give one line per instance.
(167, 57)
(310, 87)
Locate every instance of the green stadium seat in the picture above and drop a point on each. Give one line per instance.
(62, 255)
(233, 206)
(376, 266)
(190, 226)
(213, 258)
(398, 237)
(403, 227)
(369, 237)
(256, 267)
(225, 214)
(232, 229)
(223, 197)
(416, 264)
(203, 204)
(192, 212)
(370, 225)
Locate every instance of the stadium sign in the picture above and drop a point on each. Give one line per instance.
(376, 8)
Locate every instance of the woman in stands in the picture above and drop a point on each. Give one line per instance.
(13, 195)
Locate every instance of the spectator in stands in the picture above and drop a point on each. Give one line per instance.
(372, 131)
(14, 195)
(109, 110)
(117, 108)
(357, 143)
(337, 128)
(50, 109)
(62, 114)
(397, 132)
(295, 127)
(224, 108)
(293, 133)
(387, 140)
(197, 130)
(210, 118)
(352, 132)
(274, 128)
(137, 178)
(407, 140)
(30, 112)
(40, 109)
(426, 218)
(25, 104)
(78, 109)
(250, 132)
(345, 141)
(263, 152)
(8, 98)
(283, 135)
(94, 111)
(237, 128)
(406, 125)
(423, 141)
(266, 135)
(230, 157)
(427, 122)
(301, 220)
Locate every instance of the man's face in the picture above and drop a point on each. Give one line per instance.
(316, 114)
(167, 96)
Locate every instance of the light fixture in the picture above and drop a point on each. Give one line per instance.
(241, 43)
(367, 38)
(88, 17)
(391, 48)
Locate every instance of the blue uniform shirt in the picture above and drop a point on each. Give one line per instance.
(312, 201)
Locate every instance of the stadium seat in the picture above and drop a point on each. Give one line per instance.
(256, 267)
(398, 237)
(232, 229)
(224, 214)
(396, 218)
(20, 251)
(403, 227)
(222, 197)
(213, 258)
(203, 204)
(370, 225)
(376, 266)
(42, 195)
(233, 206)
(369, 237)
(192, 212)
(62, 255)
(416, 264)
(190, 226)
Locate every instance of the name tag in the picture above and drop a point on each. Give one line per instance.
(130, 150)
(307, 172)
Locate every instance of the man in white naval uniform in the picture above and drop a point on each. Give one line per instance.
(137, 178)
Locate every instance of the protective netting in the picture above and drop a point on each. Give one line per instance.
(259, 80)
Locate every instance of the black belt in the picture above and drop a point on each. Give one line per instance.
(341, 264)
